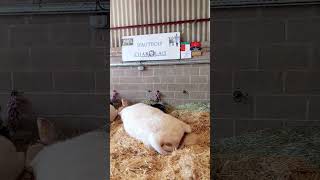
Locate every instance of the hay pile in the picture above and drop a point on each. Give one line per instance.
(195, 107)
(130, 159)
(279, 154)
(294, 142)
(284, 154)
(265, 168)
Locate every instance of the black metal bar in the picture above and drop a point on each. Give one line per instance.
(55, 8)
(163, 23)
(163, 62)
(259, 3)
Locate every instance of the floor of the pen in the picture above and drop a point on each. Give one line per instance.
(281, 154)
(130, 159)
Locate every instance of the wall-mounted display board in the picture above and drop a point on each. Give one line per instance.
(151, 47)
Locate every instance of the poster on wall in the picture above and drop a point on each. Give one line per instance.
(151, 47)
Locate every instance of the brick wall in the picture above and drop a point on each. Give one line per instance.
(273, 54)
(170, 80)
(58, 61)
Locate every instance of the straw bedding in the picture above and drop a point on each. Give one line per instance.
(130, 159)
(265, 168)
(281, 154)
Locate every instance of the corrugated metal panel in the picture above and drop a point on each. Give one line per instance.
(140, 12)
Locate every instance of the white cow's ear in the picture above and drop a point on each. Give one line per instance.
(124, 103)
(46, 131)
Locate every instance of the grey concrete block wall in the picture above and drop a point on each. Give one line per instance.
(272, 54)
(59, 62)
(170, 80)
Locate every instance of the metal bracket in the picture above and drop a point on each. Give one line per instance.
(99, 21)
(240, 97)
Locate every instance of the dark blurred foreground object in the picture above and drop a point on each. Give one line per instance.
(159, 106)
(154, 97)
(115, 99)
(19, 110)
(4, 131)
(154, 100)
(27, 175)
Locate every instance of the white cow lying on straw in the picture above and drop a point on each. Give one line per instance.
(153, 127)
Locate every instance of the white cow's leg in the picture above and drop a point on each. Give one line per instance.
(156, 144)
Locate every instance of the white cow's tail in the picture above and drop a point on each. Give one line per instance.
(187, 128)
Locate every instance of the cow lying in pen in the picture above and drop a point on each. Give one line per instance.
(153, 127)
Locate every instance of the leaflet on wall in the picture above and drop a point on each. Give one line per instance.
(164, 46)
(185, 50)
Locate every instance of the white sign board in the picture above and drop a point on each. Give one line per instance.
(162, 46)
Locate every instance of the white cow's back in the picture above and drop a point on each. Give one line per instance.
(142, 121)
